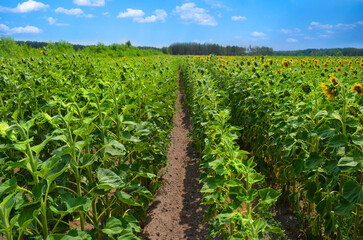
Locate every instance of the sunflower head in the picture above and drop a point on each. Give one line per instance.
(329, 91)
(285, 63)
(333, 80)
(306, 88)
(357, 88)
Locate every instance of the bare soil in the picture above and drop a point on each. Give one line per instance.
(176, 212)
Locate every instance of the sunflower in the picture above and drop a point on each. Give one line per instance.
(333, 80)
(357, 88)
(329, 92)
(285, 64)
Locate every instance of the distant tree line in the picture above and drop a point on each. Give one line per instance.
(10, 47)
(322, 52)
(264, 51)
(203, 49)
(35, 44)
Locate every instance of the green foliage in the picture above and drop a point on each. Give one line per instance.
(12, 48)
(302, 120)
(82, 140)
(233, 190)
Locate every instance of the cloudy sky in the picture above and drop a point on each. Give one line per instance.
(280, 24)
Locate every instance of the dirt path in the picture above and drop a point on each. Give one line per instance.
(176, 212)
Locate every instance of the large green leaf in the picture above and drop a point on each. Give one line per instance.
(126, 136)
(269, 195)
(38, 148)
(28, 214)
(254, 178)
(108, 179)
(358, 139)
(87, 160)
(344, 208)
(353, 192)
(128, 236)
(314, 161)
(324, 133)
(113, 226)
(75, 234)
(8, 185)
(224, 218)
(47, 166)
(58, 169)
(114, 148)
(338, 141)
(213, 183)
(347, 163)
(81, 203)
(247, 196)
(126, 198)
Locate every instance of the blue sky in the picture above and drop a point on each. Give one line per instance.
(280, 24)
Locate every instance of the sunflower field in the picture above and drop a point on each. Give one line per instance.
(301, 120)
(82, 140)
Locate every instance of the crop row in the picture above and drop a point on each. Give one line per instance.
(302, 120)
(81, 143)
(236, 194)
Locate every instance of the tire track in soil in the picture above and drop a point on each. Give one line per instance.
(176, 212)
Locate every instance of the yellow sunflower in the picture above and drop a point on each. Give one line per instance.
(333, 80)
(357, 88)
(329, 92)
(285, 64)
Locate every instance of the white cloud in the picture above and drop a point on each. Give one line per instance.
(74, 11)
(137, 15)
(258, 34)
(324, 36)
(28, 6)
(217, 4)
(159, 16)
(289, 31)
(192, 14)
(53, 21)
(131, 13)
(105, 13)
(285, 31)
(291, 40)
(18, 30)
(309, 38)
(317, 25)
(93, 3)
(239, 18)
